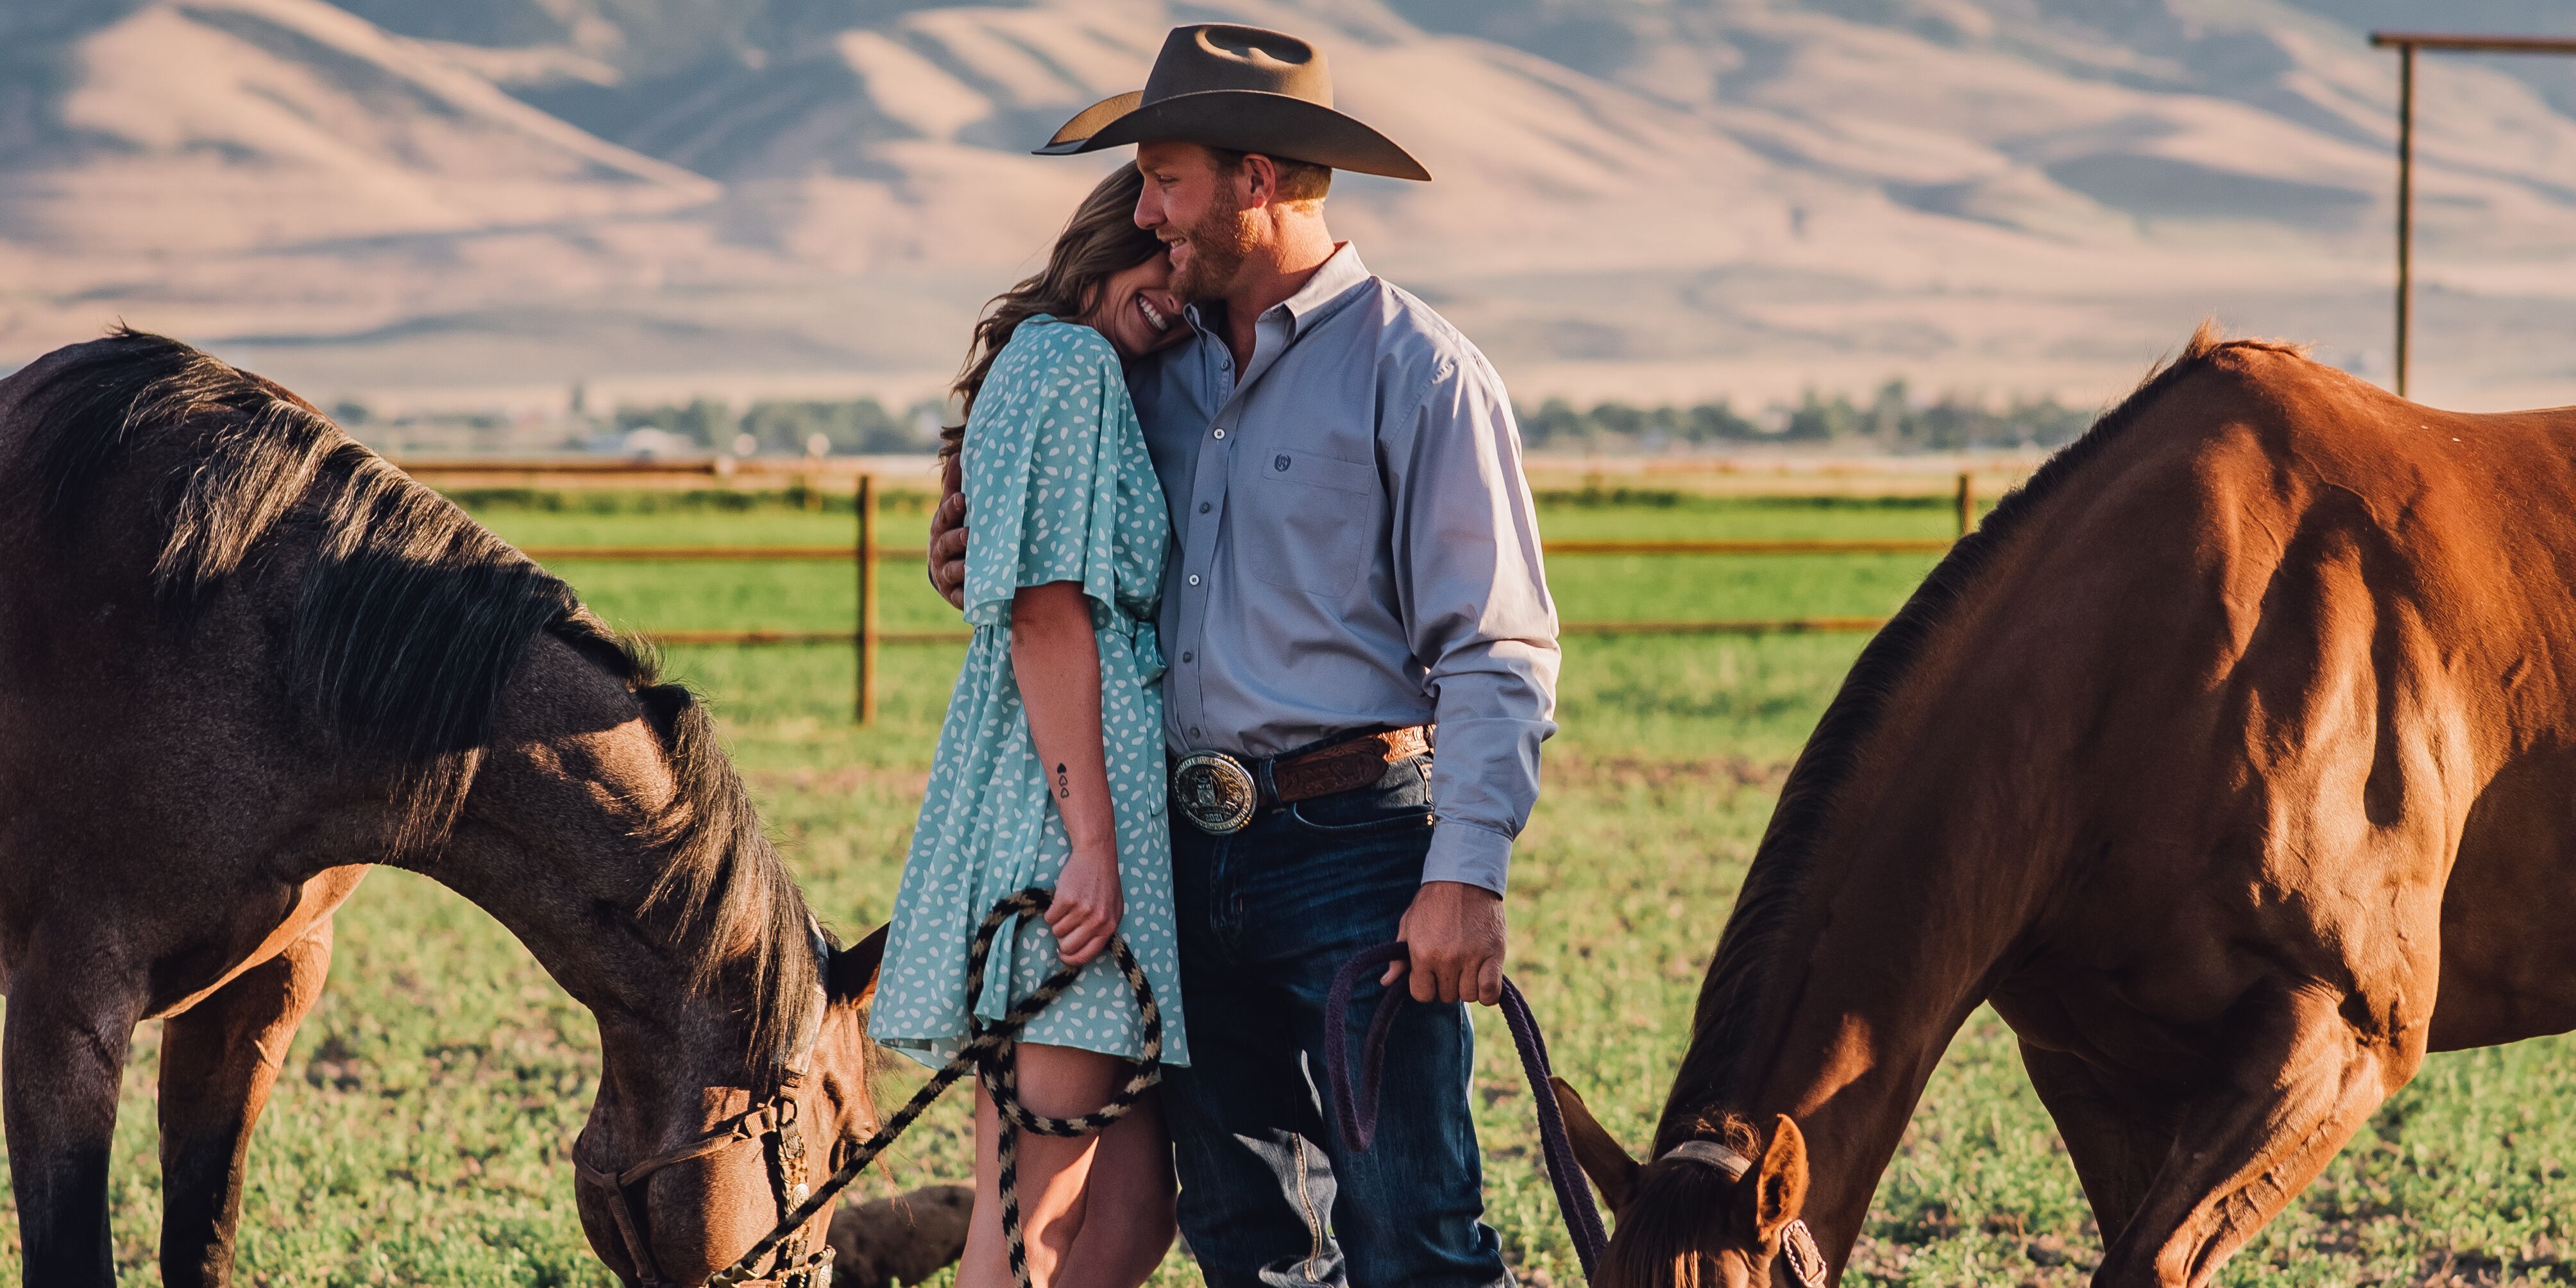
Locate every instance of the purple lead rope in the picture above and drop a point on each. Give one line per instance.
(1355, 1110)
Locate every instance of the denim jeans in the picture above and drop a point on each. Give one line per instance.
(1269, 1196)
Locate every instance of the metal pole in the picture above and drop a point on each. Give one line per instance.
(1967, 502)
(867, 632)
(2405, 211)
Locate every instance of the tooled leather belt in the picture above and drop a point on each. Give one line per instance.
(1220, 793)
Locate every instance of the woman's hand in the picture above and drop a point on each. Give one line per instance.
(1087, 906)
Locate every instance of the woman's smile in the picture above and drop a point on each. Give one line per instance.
(1138, 311)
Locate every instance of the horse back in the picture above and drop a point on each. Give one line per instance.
(2308, 649)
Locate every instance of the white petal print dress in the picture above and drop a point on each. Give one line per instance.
(1058, 488)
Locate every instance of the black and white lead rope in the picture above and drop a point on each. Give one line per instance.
(988, 1055)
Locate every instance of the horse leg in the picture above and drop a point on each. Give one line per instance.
(62, 1052)
(2301, 1080)
(219, 1061)
(2117, 1140)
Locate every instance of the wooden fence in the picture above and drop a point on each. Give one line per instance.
(868, 553)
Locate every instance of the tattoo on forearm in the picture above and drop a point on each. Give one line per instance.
(1063, 784)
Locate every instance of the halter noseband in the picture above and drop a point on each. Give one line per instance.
(1797, 1243)
(773, 1121)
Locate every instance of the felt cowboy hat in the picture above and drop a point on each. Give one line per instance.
(1243, 89)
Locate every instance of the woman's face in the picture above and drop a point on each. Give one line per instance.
(1138, 311)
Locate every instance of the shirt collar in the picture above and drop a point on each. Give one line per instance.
(1331, 282)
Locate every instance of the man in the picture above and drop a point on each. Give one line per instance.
(1356, 566)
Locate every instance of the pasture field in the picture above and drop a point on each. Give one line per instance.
(421, 1131)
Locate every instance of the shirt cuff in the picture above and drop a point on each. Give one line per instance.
(1478, 856)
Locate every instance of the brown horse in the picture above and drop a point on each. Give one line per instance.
(2233, 760)
(241, 658)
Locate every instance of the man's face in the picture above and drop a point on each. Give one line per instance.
(1198, 208)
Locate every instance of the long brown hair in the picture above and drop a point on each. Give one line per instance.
(1098, 243)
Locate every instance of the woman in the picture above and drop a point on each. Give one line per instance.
(1050, 766)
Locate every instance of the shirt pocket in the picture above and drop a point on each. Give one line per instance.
(1309, 519)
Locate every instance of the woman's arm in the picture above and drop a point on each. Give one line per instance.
(1057, 661)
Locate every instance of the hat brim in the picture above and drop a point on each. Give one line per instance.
(1239, 120)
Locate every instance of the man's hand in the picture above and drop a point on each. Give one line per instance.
(1456, 933)
(948, 538)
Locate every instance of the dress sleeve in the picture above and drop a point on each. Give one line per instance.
(1041, 496)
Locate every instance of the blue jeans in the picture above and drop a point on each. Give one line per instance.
(1269, 1195)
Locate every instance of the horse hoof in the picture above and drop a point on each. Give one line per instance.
(901, 1240)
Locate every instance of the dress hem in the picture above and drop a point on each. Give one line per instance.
(936, 1052)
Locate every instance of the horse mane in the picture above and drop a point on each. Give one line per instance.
(411, 620)
(1725, 1030)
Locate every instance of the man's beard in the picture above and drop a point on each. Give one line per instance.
(1219, 242)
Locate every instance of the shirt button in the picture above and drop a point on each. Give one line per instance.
(1205, 506)
(1194, 731)
(1194, 579)
(1189, 657)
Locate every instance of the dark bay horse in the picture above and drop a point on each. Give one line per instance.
(241, 658)
(2233, 760)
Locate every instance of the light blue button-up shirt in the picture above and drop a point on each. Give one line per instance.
(1356, 548)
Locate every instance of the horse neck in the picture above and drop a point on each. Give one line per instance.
(550, 839)
(1916, 889)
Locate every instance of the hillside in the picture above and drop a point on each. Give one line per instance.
(489, 199)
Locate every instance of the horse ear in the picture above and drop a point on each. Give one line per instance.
(852, 980)
(1778, 1194)
(1595, 1149)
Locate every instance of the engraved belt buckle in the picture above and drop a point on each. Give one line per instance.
(1215, 792)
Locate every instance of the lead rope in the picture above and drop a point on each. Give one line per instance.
(988, 1054)
(1356, 1113)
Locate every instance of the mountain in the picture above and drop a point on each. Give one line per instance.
(479, 199)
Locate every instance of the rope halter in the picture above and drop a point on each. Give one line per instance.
(773, 1123)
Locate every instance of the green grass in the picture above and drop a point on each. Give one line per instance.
(420, 1134)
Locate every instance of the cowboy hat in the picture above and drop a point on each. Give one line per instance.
(1242, 89)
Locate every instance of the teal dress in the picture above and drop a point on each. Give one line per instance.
(1058, 488)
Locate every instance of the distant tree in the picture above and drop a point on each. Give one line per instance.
(861, 426)
(1815, 420)
(1556, 426)
(1890, 421)
(704, 422)
(1717, 423)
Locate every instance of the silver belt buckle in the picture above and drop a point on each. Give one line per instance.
(1215, 792)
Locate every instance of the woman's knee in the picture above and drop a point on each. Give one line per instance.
(1067, 1082)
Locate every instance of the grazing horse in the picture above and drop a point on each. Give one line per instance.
(2233, 759)
(241, 658)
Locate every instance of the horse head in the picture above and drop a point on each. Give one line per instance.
(679, 1180)
(1720, 1210)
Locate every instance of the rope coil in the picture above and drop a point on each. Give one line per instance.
(990, 1048)
(988, 1054)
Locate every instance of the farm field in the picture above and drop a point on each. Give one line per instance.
(420, 1135)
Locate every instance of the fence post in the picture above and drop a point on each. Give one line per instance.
(1967, 502)
(866, 638)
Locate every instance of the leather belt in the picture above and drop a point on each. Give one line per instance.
(1219, 793)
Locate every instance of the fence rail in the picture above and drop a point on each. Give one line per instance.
(868, 554)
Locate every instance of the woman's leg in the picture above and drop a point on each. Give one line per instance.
(1128, 1222)
(1054, 1082)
